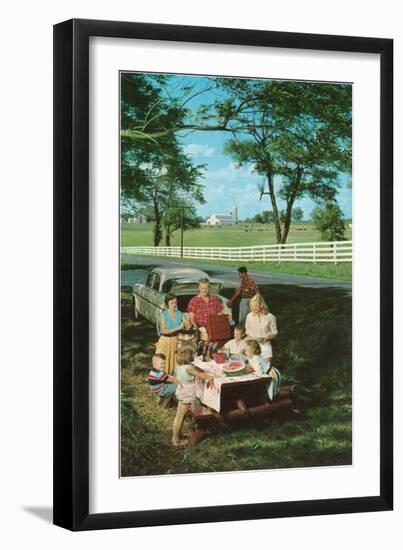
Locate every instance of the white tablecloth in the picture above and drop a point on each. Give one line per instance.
(209, 391)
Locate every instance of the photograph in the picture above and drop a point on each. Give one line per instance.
(236, 230)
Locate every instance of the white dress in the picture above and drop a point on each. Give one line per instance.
(234, 347)
(260, 327)
(186, 389)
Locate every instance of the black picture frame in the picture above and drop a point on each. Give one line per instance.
(71, 274)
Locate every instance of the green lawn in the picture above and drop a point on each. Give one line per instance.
(239, 235)
(246, 235)
(313, 351)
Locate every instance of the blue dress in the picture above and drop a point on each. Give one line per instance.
(168, 344)
(172, 323)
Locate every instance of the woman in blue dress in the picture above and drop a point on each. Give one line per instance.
(171, 321)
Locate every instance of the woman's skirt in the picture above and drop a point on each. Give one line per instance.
(168, 345)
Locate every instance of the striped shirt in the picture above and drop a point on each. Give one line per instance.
(156, 379)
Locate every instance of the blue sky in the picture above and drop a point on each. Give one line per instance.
(225, 184)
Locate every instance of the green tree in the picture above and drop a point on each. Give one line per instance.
(329, 220)
(297, 214)
(267, 216)
(148, 212)
(180, 212)
(159, 183)
(154, 173)
(295, 134)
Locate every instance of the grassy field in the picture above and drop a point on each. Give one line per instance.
(239, 235)
(313, 351)
(246, 235)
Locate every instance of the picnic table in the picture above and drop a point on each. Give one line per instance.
(226, 399)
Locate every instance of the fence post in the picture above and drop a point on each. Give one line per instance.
(314, 253)
(335, 252)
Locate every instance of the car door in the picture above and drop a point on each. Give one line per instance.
(156, 303)
(152, 299)
(142, 296)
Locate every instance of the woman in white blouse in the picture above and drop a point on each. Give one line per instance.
(261, 326)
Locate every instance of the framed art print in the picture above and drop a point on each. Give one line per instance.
(223, 274)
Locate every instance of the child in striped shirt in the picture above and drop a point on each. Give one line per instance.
(159, 381)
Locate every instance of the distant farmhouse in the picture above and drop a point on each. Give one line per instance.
(224, 219)
(140, 218)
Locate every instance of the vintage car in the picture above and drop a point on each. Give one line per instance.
(148, 298)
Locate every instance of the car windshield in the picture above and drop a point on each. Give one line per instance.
(191, 287)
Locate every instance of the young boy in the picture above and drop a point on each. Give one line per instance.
(237, 345)
(159, 381)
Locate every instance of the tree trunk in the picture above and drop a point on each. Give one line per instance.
(276, 216)
(157, 225)
(167, 235)
(287, 220)
(290, 204)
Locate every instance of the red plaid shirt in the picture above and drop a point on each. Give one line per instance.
(202, 310)
(248, 288)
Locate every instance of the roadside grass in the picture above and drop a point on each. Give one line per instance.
(313, 351)
(341, 271)
(241, 234)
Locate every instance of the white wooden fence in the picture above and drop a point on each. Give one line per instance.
(318, 252)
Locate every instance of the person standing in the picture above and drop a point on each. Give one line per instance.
(261, 325)
(247, 290)
(202, 306)
(171, 321)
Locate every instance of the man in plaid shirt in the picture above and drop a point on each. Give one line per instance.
(246, 291)
(203, 305)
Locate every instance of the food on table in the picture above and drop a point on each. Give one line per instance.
(238, 357)
(234, 368)
(220, 357)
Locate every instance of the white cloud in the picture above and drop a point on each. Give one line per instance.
(232, 172)
(231, 186)
(199, 150)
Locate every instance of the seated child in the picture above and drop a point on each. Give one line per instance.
(159, 381)
(259, 366)
(186, 374)
(237, 345)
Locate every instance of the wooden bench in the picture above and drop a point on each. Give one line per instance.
(253, 403)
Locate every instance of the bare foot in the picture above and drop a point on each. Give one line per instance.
(179, 442)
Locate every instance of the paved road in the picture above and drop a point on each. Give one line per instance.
(227, 275)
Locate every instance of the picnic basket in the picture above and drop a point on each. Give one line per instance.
(218, 328)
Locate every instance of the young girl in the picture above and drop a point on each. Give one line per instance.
(259, 365)
(186, 375)
(237, 345)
